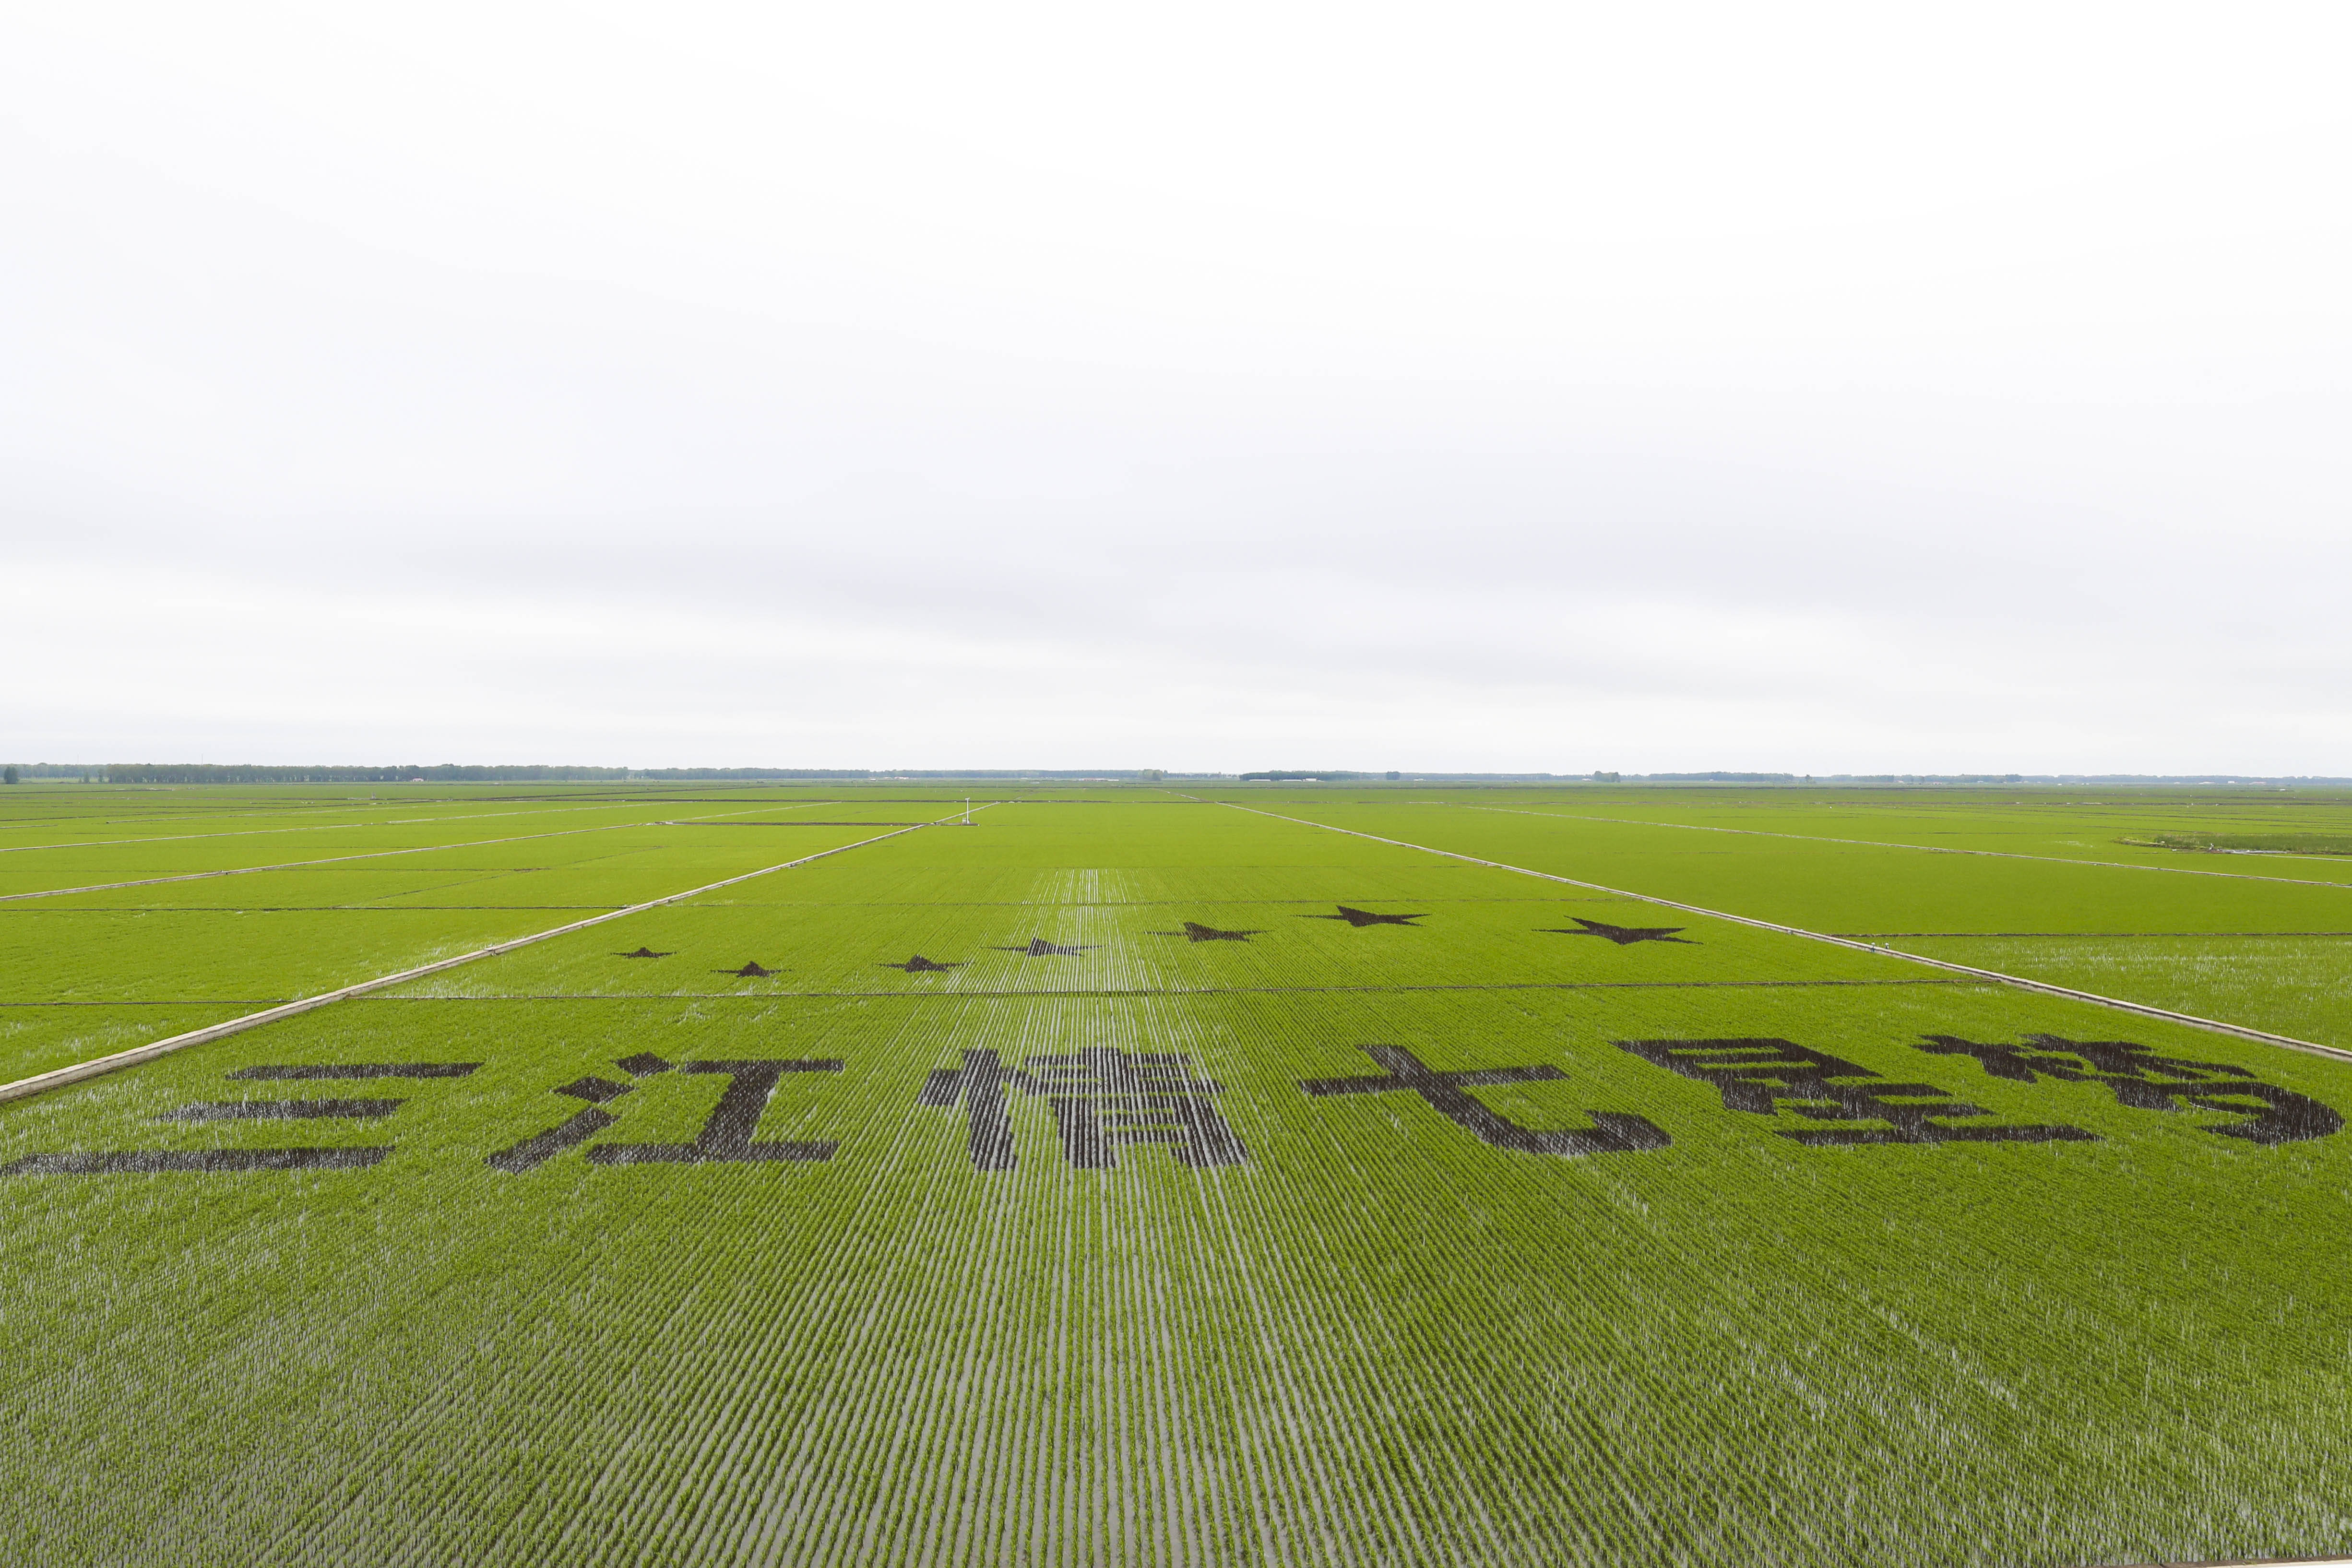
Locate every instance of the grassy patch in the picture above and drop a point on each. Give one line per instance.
(2249, 843)
(1477, 1240)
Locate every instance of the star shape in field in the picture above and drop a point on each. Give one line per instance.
(642, 952)
(752, 970)
(1359, 919)
(1623, 936)
(918, 965)
(1195, 931)
(1040, 948)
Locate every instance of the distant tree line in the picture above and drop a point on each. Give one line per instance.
(253, 772)
(1293, 775)
(85, 772)
(1145, 774)
(466, 772)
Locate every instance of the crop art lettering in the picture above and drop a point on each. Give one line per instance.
(726, 1136)
(1612, 1132)
(1762, 1076)
(2141, 1079)
(1100, 1098)
(159, 1161)
(978, 1086)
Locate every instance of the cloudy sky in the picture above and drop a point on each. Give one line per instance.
(1636, 387)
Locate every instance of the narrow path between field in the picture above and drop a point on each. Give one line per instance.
(380, 854)
(59, 1078)
(2215, 1025)
(1922, 848)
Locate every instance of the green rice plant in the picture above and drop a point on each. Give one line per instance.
(1854, 1302)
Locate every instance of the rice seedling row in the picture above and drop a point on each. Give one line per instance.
(1465, 1232)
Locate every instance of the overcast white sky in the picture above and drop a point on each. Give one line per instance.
(1635, 387)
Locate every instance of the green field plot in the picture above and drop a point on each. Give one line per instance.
(2148, 827)
(1216, 1189)
(2294, 985)
(1894, 894)
(1401, 921)
(115, 857)
(36, 1037)
(206, 953)
(274, 934)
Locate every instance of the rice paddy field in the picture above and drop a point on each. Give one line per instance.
(1239, 1174)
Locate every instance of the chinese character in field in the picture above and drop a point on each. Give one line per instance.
(1764, 1076)
(345, 1157)
(726, 1136)
(1612, 1132)
(1100, 1098)
(2141, 1079)
(978, 1087)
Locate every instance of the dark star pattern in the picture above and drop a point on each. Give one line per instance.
(642, 952)
(1040, 948)
(1359, 919)
(1621, 935)
(1195, 931)
(752, 970)
(918, 965)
